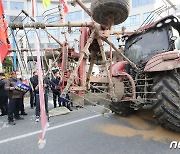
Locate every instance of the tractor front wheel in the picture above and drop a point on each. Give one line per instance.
(166, 106)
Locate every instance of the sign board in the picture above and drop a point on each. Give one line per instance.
(61, 99)
(20, 86)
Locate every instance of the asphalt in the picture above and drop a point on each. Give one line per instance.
(86, 131)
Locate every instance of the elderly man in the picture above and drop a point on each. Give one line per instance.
(15, 100)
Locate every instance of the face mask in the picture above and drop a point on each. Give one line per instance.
(18, 76)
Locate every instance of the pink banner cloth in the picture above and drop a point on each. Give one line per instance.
(41, 94)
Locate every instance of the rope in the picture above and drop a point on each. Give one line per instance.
(23, 62)
(29, 49)
(52, 51)
(18, 52)
(37, 33)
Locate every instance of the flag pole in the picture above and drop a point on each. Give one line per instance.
(4, 42)
(1, 69)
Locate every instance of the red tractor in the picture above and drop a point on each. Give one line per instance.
(150, 72)
(153, 77)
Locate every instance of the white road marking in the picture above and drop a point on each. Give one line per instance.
(51, 128)
(5, 125)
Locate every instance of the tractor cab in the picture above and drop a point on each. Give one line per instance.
(150, 40)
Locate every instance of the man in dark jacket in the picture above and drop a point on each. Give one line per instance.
(15, 97)
(3, 94)
(37, 98)
(55, 87)
(32, 92)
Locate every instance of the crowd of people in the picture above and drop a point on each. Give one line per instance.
(12, 99)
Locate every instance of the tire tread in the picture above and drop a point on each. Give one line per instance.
(167, 108)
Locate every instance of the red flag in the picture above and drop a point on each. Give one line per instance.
(32, 2)
(65, 10)
(64, 3)
(62, 19)
(4, 42)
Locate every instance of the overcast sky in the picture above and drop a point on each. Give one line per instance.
(175, 1)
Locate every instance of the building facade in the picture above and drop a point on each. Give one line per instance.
(139, 11)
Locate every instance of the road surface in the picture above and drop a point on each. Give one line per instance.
(86, 131)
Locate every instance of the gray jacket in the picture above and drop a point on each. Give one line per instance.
(14, 93)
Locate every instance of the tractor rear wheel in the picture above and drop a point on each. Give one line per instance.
(121, 108)
(103, 10)
(166, 107)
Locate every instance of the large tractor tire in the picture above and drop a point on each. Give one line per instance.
(103, 10)
(121, 108)
(167, 106)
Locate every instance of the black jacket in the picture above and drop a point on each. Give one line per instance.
(55, 82)
(35, 83)
(2, 87)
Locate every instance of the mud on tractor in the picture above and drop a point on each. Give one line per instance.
(150, 71)
(155, 51)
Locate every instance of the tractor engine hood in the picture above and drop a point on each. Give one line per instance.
(164, 61)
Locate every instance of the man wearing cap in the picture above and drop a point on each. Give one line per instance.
(15, 97)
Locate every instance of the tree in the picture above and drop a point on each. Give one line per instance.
(8, 65)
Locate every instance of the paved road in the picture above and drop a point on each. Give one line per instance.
(85, 131)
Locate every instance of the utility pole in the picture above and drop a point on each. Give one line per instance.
(14, 53)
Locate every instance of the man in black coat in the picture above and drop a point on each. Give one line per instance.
(55, 87)
(32, 92)
(35, 83)
(3, 94)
